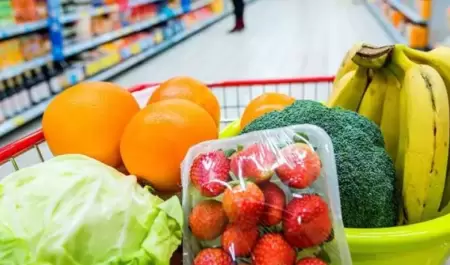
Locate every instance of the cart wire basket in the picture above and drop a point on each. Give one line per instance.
(418, 244)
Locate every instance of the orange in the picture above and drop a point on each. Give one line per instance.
(190, 89)
(255, 109)
(258, 112)
(89, 119)
(158, 137)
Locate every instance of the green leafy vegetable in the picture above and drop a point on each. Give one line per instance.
(74, 210)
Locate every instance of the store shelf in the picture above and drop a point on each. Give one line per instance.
(77, 48)
(113, 71)
(37, 110)
(101, 11)
(409, 12)
(387, 25)
(15, 70)
(14, 30)
(199, 4)
(134, 3)
(89, 13)
(27, 116)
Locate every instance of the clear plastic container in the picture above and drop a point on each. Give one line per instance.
(267, 197)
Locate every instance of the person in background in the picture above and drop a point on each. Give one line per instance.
(239, 15)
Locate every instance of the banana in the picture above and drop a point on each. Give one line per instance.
(389, 124)
(423, 139)
(439, 59)
(347, 64)
(371, 105)
(350, 89)
(441, 148)
(401, 146)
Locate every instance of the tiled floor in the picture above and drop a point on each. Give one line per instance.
(284, 38)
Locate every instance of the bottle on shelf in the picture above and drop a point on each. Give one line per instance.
(63, 79)
(52, 74)
(7, 108)
(10, 106)
(23, 91)
(2, 111)
(43, 87)
(31, 84)
(15, 95)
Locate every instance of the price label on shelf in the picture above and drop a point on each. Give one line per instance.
(18, 121)
(115, 57)
(92, 68)
(135, 48)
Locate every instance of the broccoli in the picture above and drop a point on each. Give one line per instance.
(366, 173)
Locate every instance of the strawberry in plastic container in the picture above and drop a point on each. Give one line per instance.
(264, 198)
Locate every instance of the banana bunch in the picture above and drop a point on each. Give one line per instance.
(406, 93)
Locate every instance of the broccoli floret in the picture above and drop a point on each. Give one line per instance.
(366, 173)
(349, 138)
(347, 117)
(367, 188)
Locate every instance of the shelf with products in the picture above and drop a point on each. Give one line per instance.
(402, 21)
(8, 31)
(25, 52)
(387, 25)
(101, 10)
(22, 17)
(102, 63)
(409, 12)
(153, 15)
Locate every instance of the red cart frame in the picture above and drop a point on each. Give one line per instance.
(315, 88)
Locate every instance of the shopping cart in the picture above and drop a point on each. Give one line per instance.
(420, 244)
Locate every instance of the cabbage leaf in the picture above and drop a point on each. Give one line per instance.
(74, 210)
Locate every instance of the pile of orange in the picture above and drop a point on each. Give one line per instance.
(103, 121)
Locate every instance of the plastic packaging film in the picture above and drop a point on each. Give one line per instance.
(267, 197)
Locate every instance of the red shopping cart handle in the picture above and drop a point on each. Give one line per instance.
(21, 145)
(255, 82)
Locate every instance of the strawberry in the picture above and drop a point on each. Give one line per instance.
(213, 256)
(239, 242)
(299, 167)
(256, 162)
(207, 220)
(275, 201)
(209, 173)
(244, 204)
(272, 249)
(310, 261)
(306, 221)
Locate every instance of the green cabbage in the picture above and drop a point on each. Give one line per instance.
(74, 210)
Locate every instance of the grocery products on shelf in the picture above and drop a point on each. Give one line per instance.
(420, 24)
(98, 45)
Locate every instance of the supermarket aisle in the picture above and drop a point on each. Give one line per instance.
(284, 38)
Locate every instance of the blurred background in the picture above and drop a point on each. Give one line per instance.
(47, 46)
